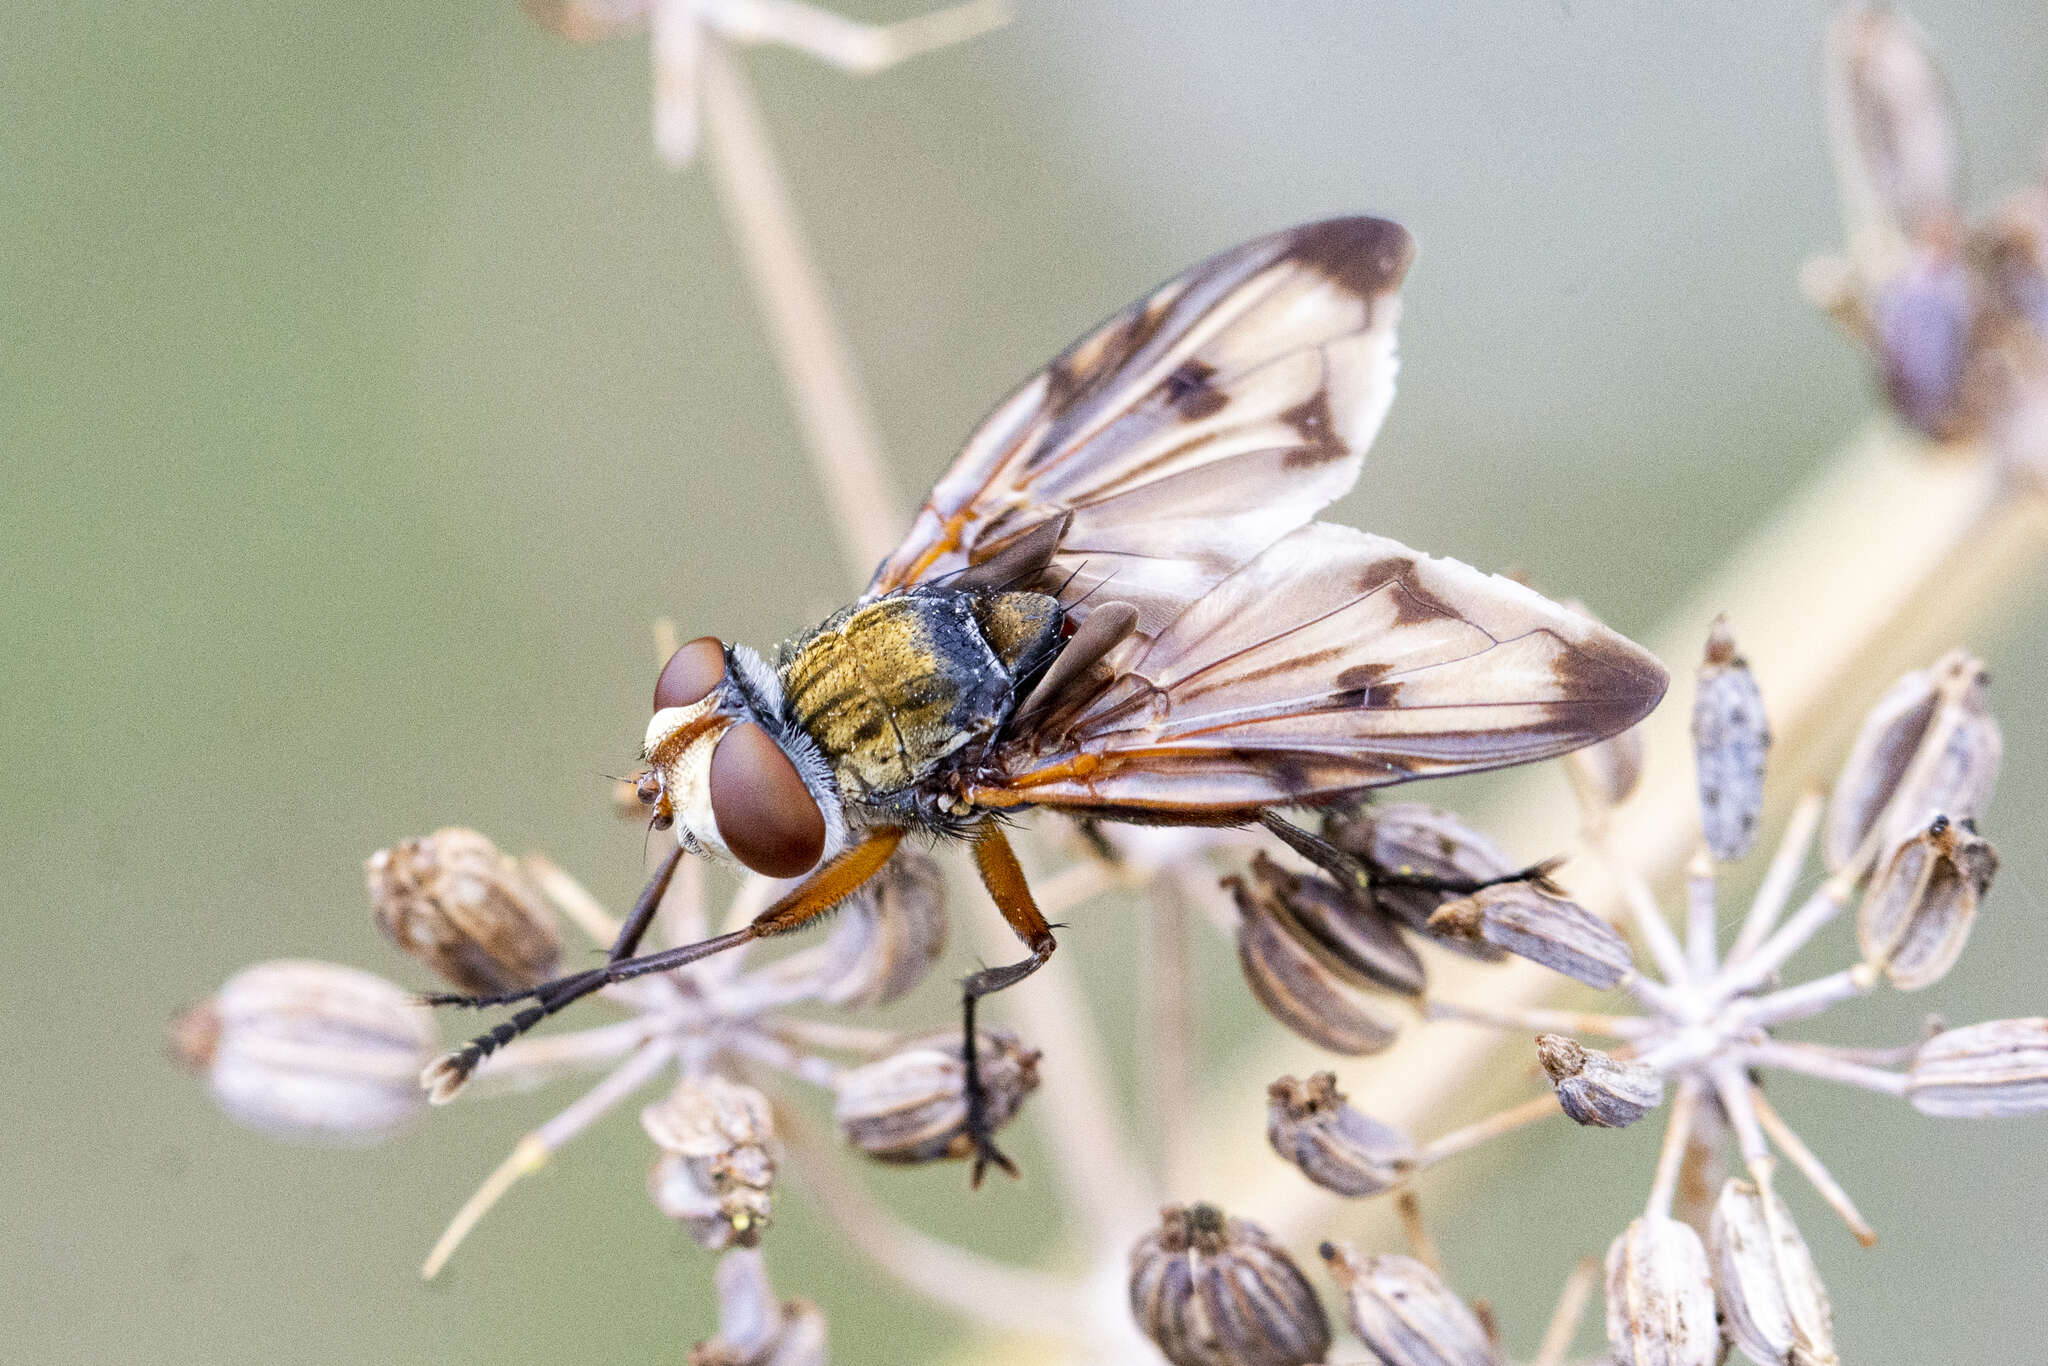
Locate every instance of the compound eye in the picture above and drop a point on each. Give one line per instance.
(690, 674)
(765, 813)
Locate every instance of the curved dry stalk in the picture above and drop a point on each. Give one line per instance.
(817, 368)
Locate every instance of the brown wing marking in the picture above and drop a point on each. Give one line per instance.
(1188, 433)
(1335, 661)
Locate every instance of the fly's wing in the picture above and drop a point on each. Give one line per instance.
(1333, 661)
(1187, 434)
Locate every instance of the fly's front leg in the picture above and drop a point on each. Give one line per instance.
(1004, 878)
(820, 892)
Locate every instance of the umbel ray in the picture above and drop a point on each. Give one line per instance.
(1116, 604)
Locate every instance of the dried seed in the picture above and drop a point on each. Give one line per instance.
(1730, 738)
(889, 935)
(1297, 985)
(1982, 1071)
(1214, 1291)
(1561, 935)
(1930, 747)
(718, 1172)
(1924, 325)
(1335, 1146)
(1898, 112)
(1405, 1314)
(455, 903)
(313, 1051)
(1916, 915)
(1595, 1089)
(1356, 939)
(911, 1106)
(754, 1329)
(1411, 840)
(1660, 1303)
(1772, 1302)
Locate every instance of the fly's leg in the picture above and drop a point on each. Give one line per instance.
(1004, 878)
(1362, 877)
(816, 895)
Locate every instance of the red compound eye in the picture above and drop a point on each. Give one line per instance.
(765, 814)
(690, 674)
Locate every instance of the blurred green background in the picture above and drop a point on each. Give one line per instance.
(366, 389)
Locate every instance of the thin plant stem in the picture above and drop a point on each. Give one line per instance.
(1481, 1131)
(1641, 901)
(817, 368)
(1684, 1108)
(830, 1034)
(1700, 949)
(1167, 1034)
(1775, 891)
(1809, 999)
(1571, 1307)
(1792, 1057)
(532, 1152)
(576, 903)
(1007, 1298)
(1827, 902)
(1408, 1206)
(1789, 1143)
(1732, 1086)
(1542, 1019)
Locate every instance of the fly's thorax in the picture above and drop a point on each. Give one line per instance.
(892, 690)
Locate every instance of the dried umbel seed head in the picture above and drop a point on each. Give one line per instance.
(1660, 1302)
(889, 935)
(311, 1051)
(1298, 984)
(754, 1328)
(1916, 915)
(1730, 739)
(1930, 747)
(718, 1170)
(1597, 1090)
(1215, 1291)
(1413, 841)
(455, 903)
(1982, 1071)
(1357, 939)
(1891, 102)
(1773, 1304)
(911, 1106)
(1523, 920)
(1335, 1146)
(1405, 1314)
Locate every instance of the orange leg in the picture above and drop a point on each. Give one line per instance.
(817, 894)
(1004, 878)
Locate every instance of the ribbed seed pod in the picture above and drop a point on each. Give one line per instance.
(889, 934)
(1521, 919)
(1896, 108)
(1930, 747)
(311, 1051)
(717, 1174)
(1357, 939)
(754, 1329)
(1597, 1090)
(1916, 915)
(1730, 739)
(1335, 1146)
(911, 1106)
(1405, 1314)
(1983, 1071)
(455, 903)
(1660, 1302)
(1773, 1306)
(1297, 984)
(1215, 1291)
(1411, 840)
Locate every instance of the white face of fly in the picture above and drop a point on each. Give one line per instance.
(678, 749)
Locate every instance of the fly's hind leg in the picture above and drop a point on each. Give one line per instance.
(1004, 878)
(1362, 877)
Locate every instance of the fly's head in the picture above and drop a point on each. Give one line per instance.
(724, 772)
